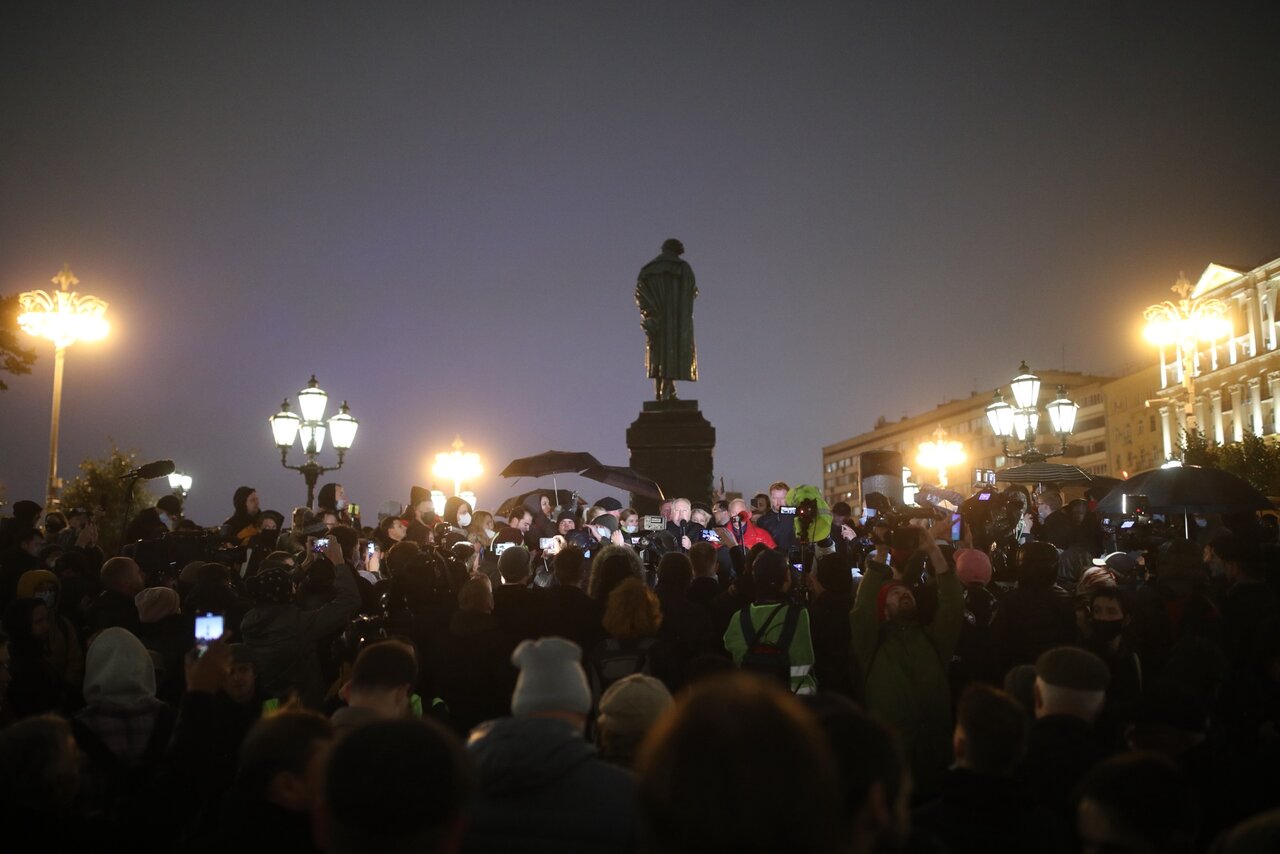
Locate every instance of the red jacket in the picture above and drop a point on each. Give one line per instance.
(751, 533)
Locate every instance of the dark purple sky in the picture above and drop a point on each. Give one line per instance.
(440, 209)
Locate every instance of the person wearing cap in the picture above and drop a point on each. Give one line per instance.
(628, 710)
(1070, 691)
(905, 664)
(64, 650)
(540, 785)
(610, 505)
(1038, 614)
(976, 656)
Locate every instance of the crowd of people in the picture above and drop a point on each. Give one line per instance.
(726, 676)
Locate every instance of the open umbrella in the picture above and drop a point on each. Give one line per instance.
(1187, 489)
(559, 498)
(625, 478)
(550, 462)
(1043, 473)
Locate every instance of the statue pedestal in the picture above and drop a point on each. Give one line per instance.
(672, 443)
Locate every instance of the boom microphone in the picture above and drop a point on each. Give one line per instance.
(151, 471)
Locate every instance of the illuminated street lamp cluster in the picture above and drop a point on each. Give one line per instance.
(940, 454)
(1021, 421)
(310, 430)
(1185, 325)
(458, 466)
(64, 317)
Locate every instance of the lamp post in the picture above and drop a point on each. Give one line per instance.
(64, 317)
(310, 430)
(1020, 421)
(1186, 324)
(940, 454)
(180, 484)
(458, 467)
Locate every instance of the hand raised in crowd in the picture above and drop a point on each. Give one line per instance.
(334, 551)
(847, 532)
(208, 673)
(616, 538)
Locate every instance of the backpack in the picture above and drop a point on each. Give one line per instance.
(769, 658)
(611, 660)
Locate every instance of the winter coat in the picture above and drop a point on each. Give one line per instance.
(541, 788)
(905, 670)
(475, 673)
(283, 640)
(520, 611)
(111, 608)
(572, 614)
(1031, 621)
(989, 814)
(686, 633)
(1061, 749)
(832, 657)
(800, 652)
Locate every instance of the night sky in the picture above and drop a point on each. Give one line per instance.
(440, 210)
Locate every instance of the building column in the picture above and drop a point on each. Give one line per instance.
(1165, 432)
(1215, 398)
(1273, 383)
(1237, 412)
(1202, 414)
(1255, 404)
(1253, 311)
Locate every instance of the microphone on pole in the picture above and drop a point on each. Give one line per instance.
(151, 471)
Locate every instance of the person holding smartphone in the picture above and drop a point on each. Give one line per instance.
(284, 637)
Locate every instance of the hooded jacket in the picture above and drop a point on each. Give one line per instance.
(543, 789)
(905, 670)
(235, 528)
(120, 690)
(283, 639)
(64, 651)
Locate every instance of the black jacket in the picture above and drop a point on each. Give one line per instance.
(989, 814)
(520, 611)
(572, 614)
(1061, 749)
(111, 608)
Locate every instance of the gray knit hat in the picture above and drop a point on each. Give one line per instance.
(551, 678)
(632, 704)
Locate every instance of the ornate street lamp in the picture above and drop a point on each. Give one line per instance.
(1021, 422)
(310, 429)
(1186, 324)
(940, 454)
(64, 317)
(457, 467)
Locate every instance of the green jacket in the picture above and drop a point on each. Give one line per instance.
(800, 652)
(905, 670)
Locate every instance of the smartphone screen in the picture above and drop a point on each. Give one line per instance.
(545, 543)
(955, 527)
(373, 549)
(208, 628)
(321, 545)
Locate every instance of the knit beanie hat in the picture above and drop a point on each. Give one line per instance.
(883, 598)
(609, 504)
(551, 678)
(973, 567)
(1073, 668)
(271, 585)
(513, 563)
(190, 573)
(632, 704)
(156, 603)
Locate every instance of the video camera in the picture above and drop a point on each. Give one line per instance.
(171, 551)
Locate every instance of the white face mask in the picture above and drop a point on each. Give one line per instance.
(602, 533)
(168, 523)
(492, 533)
(340, 504)
(464, 519)
(630, 529)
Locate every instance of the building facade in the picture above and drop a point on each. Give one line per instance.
(1234, 382)
(965, 421)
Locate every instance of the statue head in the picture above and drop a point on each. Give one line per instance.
(673, 246)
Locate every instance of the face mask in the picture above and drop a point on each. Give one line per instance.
(48, 597)
(464, 519)
(340, 504)
(492, 533)
(164, 517)
(602, 533)
(1107, 630)
(630, 529)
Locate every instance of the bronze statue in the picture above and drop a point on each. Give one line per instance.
(665, 295)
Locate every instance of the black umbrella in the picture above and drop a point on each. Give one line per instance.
(550, 462)
(1043, 473)
(625, 478)
(559, 498)
(1187, 489)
